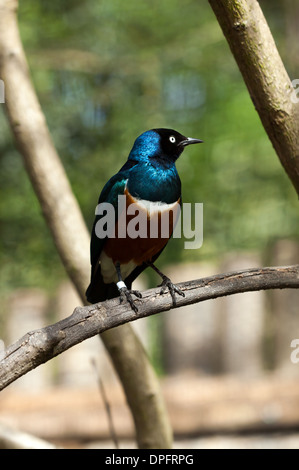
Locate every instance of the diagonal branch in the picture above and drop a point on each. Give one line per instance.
(63, 216)
(252, 44)
(39, 346)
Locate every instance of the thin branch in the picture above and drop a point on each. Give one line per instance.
(106, 405)
(39, 346)
(13, 439)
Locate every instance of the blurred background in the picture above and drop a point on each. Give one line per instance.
(105, 72)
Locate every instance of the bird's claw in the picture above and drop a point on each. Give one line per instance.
(126, 294)
(168, 285)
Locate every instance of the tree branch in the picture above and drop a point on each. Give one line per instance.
(13, 439)
(268, 83)
(39, 346)
(65, 221)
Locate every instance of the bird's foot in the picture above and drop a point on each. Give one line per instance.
(168, 285)
(126, 294)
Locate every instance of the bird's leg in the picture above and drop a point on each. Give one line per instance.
(125, 293)
(166, 284)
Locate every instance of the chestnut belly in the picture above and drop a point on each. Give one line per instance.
(139, 238)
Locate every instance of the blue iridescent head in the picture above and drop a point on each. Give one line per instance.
(160, 144)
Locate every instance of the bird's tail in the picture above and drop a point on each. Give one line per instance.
(98, 291)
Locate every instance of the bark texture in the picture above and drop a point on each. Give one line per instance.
(252, 44)
(65, 221)
(41, 345)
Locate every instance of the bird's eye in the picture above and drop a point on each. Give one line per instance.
(172, 139)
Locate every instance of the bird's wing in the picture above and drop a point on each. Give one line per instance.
(111, 191)
(113, 188)
(97, 290)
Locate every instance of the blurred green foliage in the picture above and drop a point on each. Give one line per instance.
(107, 71)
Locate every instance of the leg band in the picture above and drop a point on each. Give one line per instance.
(121, 284)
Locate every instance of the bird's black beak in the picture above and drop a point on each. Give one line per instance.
(190, 141)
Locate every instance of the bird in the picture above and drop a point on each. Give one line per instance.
(150, 181)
